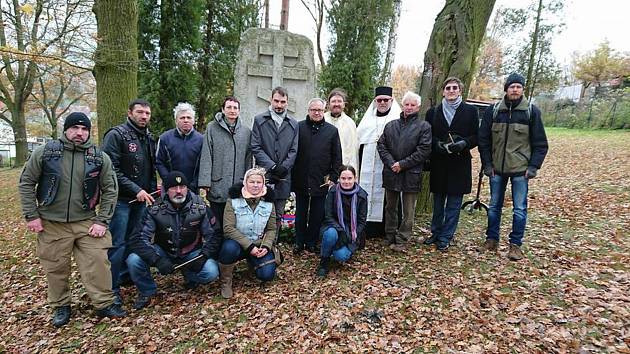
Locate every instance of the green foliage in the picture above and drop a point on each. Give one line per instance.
(188, 52)
(358, 29)
(601, 65)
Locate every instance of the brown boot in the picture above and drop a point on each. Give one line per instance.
(490, 245)
(225, 278)
(515, 253)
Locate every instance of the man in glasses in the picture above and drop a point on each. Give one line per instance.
(316, 168)
(454, 126)
(382, 110)
(513, 146)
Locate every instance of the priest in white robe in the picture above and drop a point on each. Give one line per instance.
(345, 125)
(382, 110)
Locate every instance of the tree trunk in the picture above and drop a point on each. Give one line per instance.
(532, 53)
(452, 50)
(116, 60)
(203, 104)
(19, 135)
(386, 72)
(284, 16)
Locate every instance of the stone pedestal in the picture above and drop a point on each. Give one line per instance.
(269, 58)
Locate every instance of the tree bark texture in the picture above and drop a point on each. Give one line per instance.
(386, 72)
(452, 50)
(116, 60)
(529, 88)
(457, 34)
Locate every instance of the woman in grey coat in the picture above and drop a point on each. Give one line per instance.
(225, 155)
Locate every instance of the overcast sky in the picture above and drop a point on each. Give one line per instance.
(588, 23)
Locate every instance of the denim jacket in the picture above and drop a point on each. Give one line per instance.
(251, 223)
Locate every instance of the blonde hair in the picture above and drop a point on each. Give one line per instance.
(255, 171)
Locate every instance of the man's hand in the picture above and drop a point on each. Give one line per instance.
(145, 197)
(279, 171)
(35, 225)
(531, 172)
(197, 265)
(396, 167)
(488, 171)
(97, 230)
(441, 148)
(165, 266)
(457, 147)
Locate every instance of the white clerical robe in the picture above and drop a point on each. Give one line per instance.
(348, 135)
(371, 171)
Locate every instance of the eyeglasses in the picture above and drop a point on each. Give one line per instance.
(381, 100)
(316, 110)
(451, 88)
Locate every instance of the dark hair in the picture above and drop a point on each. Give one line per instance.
(138, 102)
(338, 92)
(348, 168)
(281, 90)
(451, 79)
(233, 99)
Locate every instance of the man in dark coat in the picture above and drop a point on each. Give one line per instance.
(454, 126)
(176, 230)
(179, 148)
(404, 146)
(316, 168)
(274, 144)
(132, 150)
(512, 146)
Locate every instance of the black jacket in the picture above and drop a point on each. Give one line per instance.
(332, 220)
(408, 142)
(177, 231)
(451, 173)
(319, 154)
(132, 151)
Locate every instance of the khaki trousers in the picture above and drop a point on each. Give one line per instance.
(394, 233)
(57, 243)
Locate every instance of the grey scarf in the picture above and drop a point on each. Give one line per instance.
(449, 109)
(278, 118)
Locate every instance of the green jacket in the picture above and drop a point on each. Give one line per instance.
(67, 205)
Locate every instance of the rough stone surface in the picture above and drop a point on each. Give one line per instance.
(270, 58)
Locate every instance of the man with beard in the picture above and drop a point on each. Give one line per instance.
(176, 230)
(179, 148)
(132, 150)
(404, 146)
(381, 111)
(512, 146)
(61, 185)
(274, 144)
(344, 124)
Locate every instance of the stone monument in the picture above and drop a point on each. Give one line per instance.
(269, 58)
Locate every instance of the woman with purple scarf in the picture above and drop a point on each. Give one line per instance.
(345, 220)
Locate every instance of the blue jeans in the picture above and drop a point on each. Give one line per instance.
(329, 242)
(445, 216)
(141, 273)
(126, 218)
(498, 185)
(232, 252)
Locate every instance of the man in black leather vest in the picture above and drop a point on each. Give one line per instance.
(132, 150)
(177, 230)
(60, 186)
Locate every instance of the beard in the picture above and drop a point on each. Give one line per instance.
(178, 199)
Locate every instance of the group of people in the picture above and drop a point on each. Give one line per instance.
(223, 192)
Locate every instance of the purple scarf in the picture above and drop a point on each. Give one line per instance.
(353, 212)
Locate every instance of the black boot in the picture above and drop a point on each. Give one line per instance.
(112, 311)
(61, 317)
(322, 269)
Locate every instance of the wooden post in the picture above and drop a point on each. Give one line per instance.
(284, 16)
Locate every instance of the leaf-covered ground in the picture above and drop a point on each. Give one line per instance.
(571, 293)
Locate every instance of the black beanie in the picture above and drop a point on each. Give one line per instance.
(514, 78)
(77, 118)
(174, 178)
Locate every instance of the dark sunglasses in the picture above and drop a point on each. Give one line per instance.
(381, 100)
(451, 88)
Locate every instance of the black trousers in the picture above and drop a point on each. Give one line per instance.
(309, 215)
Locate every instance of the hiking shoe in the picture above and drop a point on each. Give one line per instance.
(112, 311)
(515, 253)
(61, 316)
(297, 250)
(430, 240)
(322, 269)
(489, 245)
(397, 247)
(442, 247)
(118, 300)
(141, 302)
